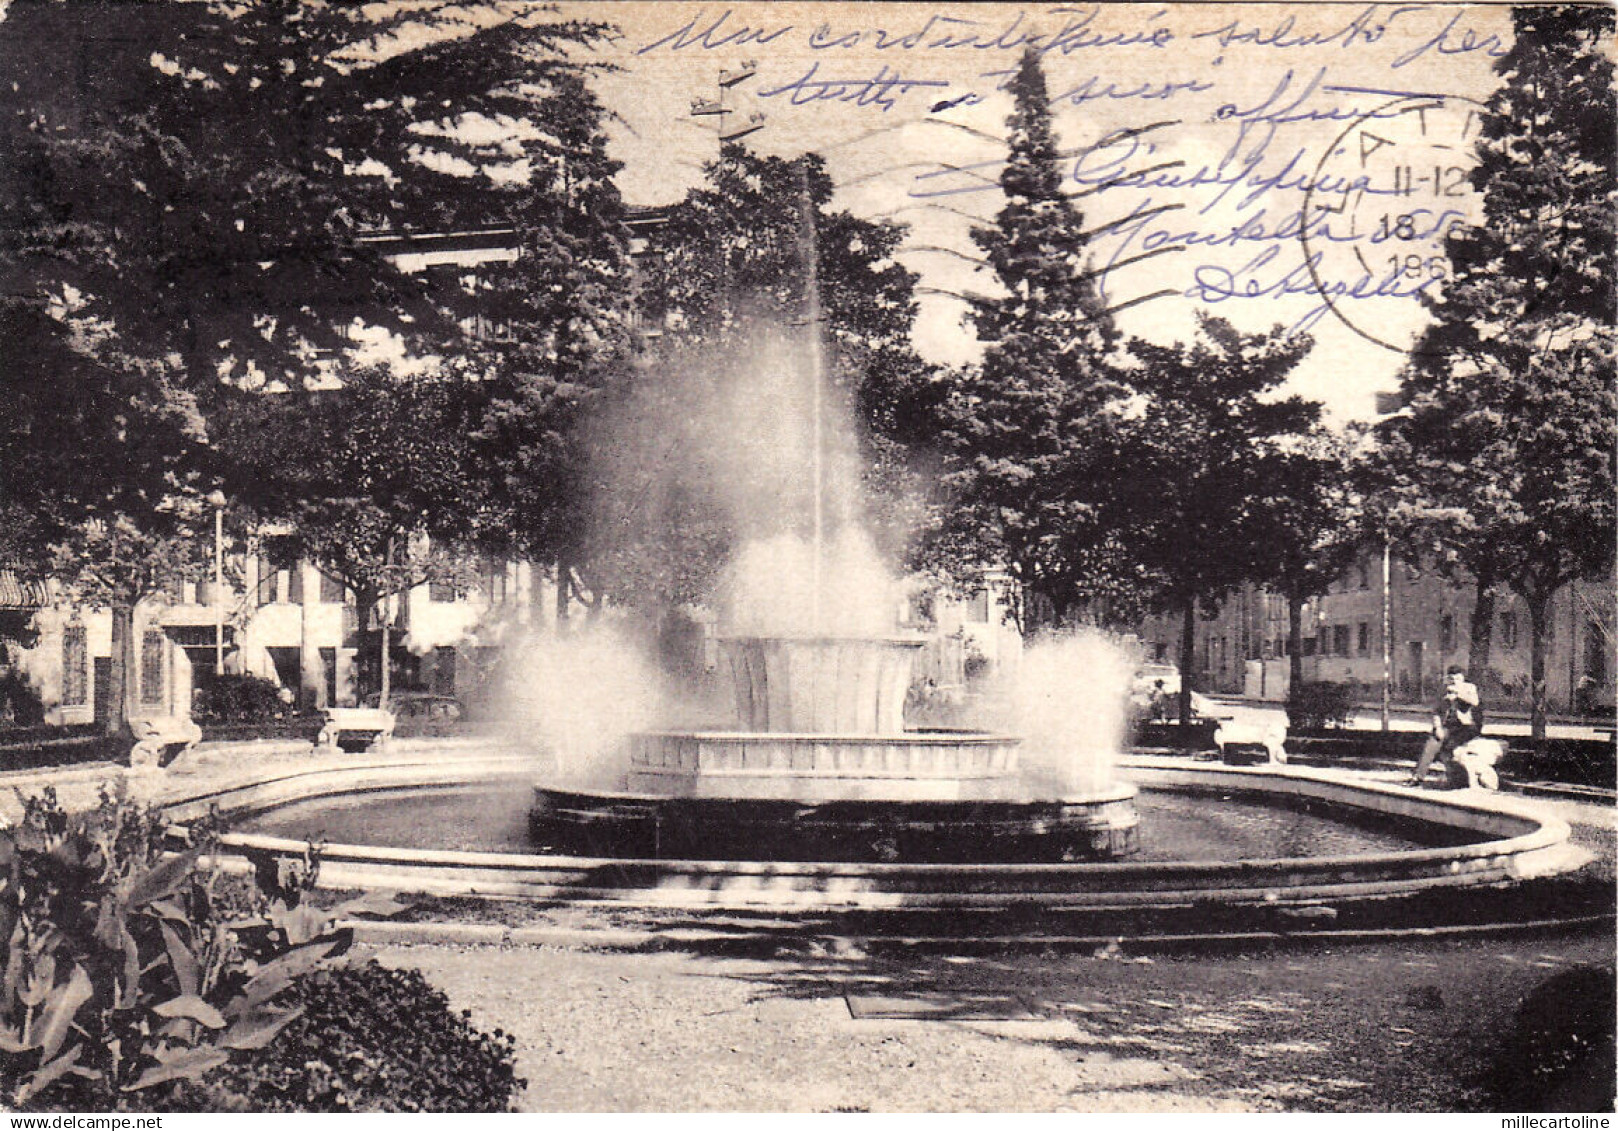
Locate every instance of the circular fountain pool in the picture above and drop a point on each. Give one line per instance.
(1314, 841)
(1179, 825)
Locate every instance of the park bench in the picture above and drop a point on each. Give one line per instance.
(355, 728)
(1245, 744)
(160, 739)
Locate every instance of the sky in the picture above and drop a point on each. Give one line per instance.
(1272, 164)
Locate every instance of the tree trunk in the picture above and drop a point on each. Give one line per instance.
(564, 578)
(366, 605)
(385, 619)
(1479, 652)
(1539, 621)
(1294, 644)
(123, 668)
(1187, 649)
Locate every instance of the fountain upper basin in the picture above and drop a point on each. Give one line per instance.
(913, 766)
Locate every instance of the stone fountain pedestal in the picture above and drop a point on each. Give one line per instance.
(820, 767)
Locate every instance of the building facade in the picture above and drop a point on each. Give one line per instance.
(1242, 648)
(288, 624)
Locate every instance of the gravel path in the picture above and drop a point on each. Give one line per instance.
(1406, 1026)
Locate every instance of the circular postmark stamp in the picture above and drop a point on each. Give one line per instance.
(1383, 197)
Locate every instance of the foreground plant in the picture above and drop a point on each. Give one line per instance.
(123, 970)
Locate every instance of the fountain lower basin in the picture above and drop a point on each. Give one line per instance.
(820, 767)
(923, 796)
(653, 826)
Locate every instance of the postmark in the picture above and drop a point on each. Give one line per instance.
(1409, 163)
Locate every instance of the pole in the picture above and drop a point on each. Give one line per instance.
(219, 587)
(1387, 630)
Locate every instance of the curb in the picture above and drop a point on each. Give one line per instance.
(372, 933)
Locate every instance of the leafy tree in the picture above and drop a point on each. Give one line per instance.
(561, 339)
(1503, 459)
(188, 195)
(101, 473)
(1030, 432)
(384, 492)
(1216, 464)
(1312, 508)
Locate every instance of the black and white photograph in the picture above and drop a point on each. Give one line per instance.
(808, 558)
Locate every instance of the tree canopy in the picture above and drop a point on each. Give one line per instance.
(1216, 457)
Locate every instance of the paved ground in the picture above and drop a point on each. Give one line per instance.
(1409, 1026)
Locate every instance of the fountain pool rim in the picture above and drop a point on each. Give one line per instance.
(1523, 844)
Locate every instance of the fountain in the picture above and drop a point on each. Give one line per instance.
(818, 764)
(820, 767)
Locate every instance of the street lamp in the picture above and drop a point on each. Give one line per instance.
(217, 499)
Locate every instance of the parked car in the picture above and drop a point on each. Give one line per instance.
(1156, 690)
(1148, 675)
(422, 712)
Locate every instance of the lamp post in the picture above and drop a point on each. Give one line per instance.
(217, 498)
(1387, 630)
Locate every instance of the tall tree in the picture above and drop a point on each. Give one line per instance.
(1313, 510)
(1030, 431)
(1210, 452)
(1504, 456)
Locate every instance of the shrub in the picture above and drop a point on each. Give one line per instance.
(1314, 706)
(20, 703)
(237, 699)
(121, 975)
(137, 981)
(370, 1038)
(1558, 1056)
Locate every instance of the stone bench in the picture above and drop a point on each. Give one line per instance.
(1245, 744)
(355, 728)
(159, 739)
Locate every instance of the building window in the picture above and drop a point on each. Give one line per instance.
(151, 668)
(494, 582)
(1508, 630)
(1365, 573)
(75, 661)
(977, 607)
(331, 590)
(1339, 634)
(1364, 638)
(1446, 633)
(442, 592)
(1595, 653)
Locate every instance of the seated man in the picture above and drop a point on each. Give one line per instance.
(1456, 721)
